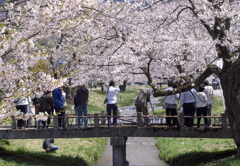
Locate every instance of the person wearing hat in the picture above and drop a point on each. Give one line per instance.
(112, 91)
(82, 95)
(208, 90)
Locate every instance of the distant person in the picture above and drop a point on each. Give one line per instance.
(188, 102)
(201, 106)
(112, 91)
(75, 107)
(59, 104)
(63, 111)
(46, 105)
(82, 95)
(36, 100)
(208, 90)
(141, 104)
(171, 106)
(22, 104)
(47, 145)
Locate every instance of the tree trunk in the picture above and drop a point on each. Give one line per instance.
(230, 81)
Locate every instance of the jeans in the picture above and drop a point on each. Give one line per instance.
(52, 148)
(110, 108)
(82, 109)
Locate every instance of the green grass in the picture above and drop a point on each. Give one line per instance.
(198, 151)
(72, 151)
(85, 151)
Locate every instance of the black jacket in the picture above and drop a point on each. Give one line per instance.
(82, 96)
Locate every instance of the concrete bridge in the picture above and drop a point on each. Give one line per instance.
(128, 126)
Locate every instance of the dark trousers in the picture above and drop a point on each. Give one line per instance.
(170, 120)
(61, 115)
(189, 110)
(202, 112)
(23, 108)
(110, 108)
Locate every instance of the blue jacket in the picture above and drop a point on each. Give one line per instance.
(58, 99)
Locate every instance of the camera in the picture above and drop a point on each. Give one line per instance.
(105, 101)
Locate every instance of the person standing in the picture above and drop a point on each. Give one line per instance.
(36, 100)
(59, 105)
(47, 145)
(201, 106)
(171, 106)
(112, 91)
(188, 102)
(82, 95)
(141, 104)
(22, 104)
(46, 105)
(208, 90)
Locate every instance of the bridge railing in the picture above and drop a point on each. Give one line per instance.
(100, 120)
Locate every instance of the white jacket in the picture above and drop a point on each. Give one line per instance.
(208, 90)
(171, 99)
(201, 100)
(112, 94)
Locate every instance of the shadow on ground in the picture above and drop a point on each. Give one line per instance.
(21, 157)
(198, 158)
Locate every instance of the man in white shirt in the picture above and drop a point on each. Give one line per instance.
(208, 90)
(112, 91)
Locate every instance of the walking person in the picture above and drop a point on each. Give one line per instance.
(201, 106)
(208, 90)
(112, 91)
(46, 105)
(171, 106)
(141, 104)
(59, 105)
(82, 95)
(188, 102)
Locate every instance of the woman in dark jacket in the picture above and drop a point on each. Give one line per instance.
(46, 105)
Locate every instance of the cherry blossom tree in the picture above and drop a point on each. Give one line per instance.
(143, 41)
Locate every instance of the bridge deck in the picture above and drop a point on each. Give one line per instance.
(118, 131)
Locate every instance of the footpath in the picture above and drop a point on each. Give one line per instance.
(140, 151)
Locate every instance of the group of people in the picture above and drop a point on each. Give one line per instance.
(45, 101)
(191, 101)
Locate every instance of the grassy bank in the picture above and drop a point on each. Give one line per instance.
(84, 151)
(198, 151)
(73, 151)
